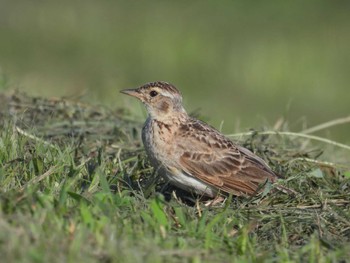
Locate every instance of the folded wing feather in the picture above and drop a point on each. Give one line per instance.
(229, 167)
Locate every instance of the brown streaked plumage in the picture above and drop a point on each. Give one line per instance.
(191, 154)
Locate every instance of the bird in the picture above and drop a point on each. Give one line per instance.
(192, 155)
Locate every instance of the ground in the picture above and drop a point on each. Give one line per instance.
(76, 186)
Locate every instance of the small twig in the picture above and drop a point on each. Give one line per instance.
(337, 202)
(329, 164)
(286, 190)
(326, 125)
(39, 178)
(33, 137)
(198, 208)
(119, 160)
(312, 137)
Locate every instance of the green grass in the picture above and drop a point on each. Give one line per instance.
(74, 187)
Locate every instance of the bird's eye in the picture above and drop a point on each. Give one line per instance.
(153, 93)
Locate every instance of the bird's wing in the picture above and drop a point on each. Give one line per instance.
(211, 157)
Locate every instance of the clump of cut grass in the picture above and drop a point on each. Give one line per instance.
(75, 185)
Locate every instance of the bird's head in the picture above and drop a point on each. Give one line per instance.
(161, 99)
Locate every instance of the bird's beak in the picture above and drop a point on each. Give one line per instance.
(132, 92)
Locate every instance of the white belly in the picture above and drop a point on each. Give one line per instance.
(189, 183)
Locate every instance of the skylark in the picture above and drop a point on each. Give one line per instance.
(192, 155)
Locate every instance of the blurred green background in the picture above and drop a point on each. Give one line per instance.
(247, 63)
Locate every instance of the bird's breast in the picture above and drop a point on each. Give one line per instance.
(158, 140)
